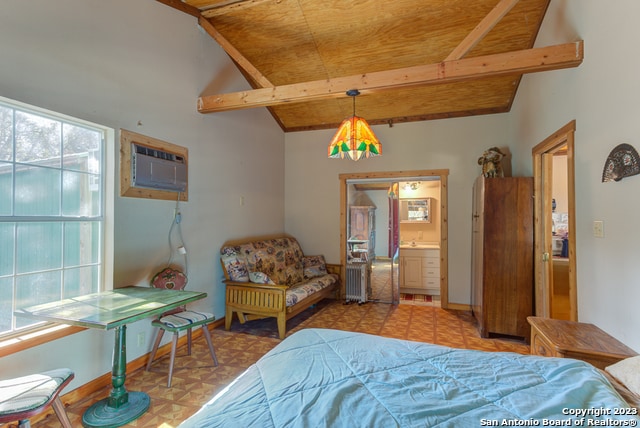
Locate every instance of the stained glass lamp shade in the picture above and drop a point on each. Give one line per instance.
(354, 138)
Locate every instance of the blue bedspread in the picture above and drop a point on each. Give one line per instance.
(330, 378)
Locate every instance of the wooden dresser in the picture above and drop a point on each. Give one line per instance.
(502, 255)
(570, 339)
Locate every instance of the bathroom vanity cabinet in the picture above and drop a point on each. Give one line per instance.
(420, 270)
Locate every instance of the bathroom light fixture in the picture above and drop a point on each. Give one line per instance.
(354, 137)
(411, 186)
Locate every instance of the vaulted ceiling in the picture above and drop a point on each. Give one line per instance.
(411, 60)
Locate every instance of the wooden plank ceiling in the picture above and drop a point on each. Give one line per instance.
(411, 60)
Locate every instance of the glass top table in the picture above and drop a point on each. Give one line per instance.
(113, 310)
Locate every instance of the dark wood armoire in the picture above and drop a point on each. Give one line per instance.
(502, 255)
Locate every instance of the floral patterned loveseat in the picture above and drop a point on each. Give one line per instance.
(271, 277)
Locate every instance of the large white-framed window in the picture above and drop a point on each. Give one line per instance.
(56, 206)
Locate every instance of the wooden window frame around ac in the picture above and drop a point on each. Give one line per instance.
(126, 183)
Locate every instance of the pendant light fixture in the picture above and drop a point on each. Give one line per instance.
(354, 137)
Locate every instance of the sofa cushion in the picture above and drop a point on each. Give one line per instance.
(298, 292)
(280, 259)
(314, 266)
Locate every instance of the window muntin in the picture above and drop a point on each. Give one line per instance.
(52, 200)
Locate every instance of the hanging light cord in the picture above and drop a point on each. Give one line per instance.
(353, 93)
(354, 104)
(177, 219)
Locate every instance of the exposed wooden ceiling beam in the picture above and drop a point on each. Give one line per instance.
(487, 23)
(519, 62)
(232, 6)
(183, 7)
(240, 59)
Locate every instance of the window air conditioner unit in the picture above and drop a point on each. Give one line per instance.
(157, 169)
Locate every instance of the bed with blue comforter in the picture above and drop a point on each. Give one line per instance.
(331, 378)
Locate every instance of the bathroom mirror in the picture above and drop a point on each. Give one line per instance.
(415, 210)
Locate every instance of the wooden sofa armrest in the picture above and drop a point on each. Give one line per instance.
(258, 300)
(255, 285)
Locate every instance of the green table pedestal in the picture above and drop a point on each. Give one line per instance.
(101, 415)
(121, 407)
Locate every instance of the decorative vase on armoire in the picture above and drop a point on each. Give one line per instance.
(502, 255)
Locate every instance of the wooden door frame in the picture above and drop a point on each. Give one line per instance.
(398, 176)
(542, 168)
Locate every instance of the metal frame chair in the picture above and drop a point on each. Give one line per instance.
(27, 396)
(178, 320)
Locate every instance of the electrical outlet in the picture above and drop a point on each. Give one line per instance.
(598, 229)
(141, 339)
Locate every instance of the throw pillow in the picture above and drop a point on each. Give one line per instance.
(627, 372)
(314, 266)
(236, 266)
(260, 278)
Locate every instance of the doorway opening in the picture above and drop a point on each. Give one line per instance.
(555, 225)
(388, 228)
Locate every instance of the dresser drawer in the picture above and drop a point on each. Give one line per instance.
(432, 283)
(430, 272)
(430, 262)
(539, 346)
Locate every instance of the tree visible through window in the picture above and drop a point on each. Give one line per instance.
(51, 209)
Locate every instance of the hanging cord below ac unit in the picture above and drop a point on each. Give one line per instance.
(177, 219)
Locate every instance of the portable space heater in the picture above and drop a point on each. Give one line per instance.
(357, 282)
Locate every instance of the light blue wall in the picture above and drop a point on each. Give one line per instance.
(140, 65)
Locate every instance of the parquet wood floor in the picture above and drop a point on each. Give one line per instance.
(196, 380)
